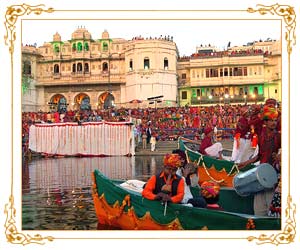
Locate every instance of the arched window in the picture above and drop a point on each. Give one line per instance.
(86, 67)
(104, 46)
(130, 65)
(166, 63)
(56, 68)
(56, 48)
(79, 67)
(74, 47)
(27, 68)
(146, 63)
(86, 46)
(74, 68)
(105, 66)
(79, 46)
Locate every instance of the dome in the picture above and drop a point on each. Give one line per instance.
(81, 33)
(56, 37)
(105, 35)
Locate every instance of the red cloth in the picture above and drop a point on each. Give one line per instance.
(206, 142)
(208, 130)
(242, 127)
(268, 144)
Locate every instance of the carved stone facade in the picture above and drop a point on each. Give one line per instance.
(99, 70)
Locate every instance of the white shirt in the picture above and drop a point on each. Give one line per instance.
(187, 191)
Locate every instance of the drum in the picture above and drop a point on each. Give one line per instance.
(255, 180)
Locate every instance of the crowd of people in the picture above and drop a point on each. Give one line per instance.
(165, 123)
(254, 127)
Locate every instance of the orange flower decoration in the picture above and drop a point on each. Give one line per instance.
(173, 160)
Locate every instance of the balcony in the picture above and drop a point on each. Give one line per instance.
(56, 75)
(203, 100)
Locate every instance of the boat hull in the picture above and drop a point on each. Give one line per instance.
(219, 171)
(117, 207)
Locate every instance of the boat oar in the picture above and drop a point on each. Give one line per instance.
(167, 192)
(165, 210)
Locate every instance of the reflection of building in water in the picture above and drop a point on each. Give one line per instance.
(147, 166)
(72, 173)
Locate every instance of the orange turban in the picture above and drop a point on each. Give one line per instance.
(269, 113)
(209, 189)
(173, 160)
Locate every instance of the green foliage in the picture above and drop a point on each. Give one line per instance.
(26, 81)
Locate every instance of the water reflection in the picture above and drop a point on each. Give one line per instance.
(57, 191)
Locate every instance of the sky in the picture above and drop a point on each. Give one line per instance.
(188, 34)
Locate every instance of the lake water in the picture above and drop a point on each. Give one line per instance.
(56, 192)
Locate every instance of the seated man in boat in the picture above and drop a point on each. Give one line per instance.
(188, 171)
(208, 147)
(166, 186)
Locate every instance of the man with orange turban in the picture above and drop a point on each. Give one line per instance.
(166, 186)
(269, 142)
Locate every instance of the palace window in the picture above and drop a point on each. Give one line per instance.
(213, 72)
(146, 63)
(56, 48)
(235, 71)
(105, 46)
(86, 46)
(130, 65)
(105, 66)
(166, 63)
(198, 92)
(86, 67)
(56, 68)
(221, 72)
(27, 68)
(245, 71)
(79, 67)
(183, 76)
(74, 68)
(207, 73)
(226, 72)
(74, 47)
(79, 46)
(230, 71)
(241, 91)
(183, 95)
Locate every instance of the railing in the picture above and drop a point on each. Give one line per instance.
(222, 100)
